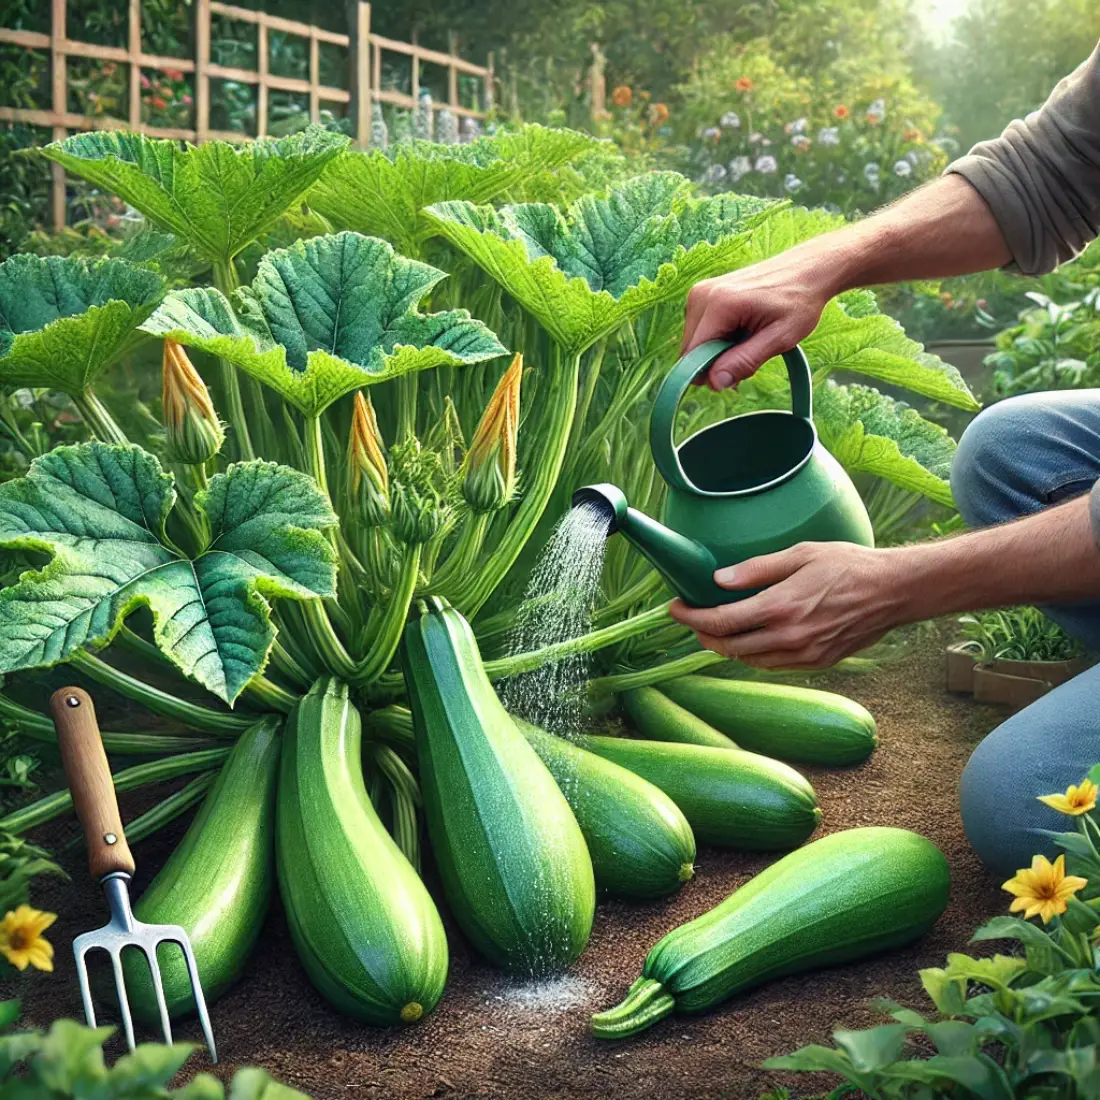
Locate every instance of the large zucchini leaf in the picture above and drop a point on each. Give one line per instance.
(100, 512)
(325, 317)
(217, 197)
(64, 319)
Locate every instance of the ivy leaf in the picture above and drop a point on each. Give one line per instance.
(868, 432)
(99, 512)
(584, 273)
(216, 196)
(326, 317)
(381, 193)
(63, 319)
(875, 345)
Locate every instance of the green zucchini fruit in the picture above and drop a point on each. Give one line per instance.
(657, 718)
(730, 797)
(217, 883)
(799, 724)
(844, 897)
(640, 843)
(511, 856)
(363, 923)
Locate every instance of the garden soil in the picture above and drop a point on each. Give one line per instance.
(498, 1039)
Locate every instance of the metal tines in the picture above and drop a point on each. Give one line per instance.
(125, 930)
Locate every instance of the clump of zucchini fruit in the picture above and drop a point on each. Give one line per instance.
(525, 828)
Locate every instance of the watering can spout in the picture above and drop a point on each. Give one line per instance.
(688, 566)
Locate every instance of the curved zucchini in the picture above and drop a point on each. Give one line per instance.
(640, 843)
(513, 861)
(800, 724)
(730, 797)
(365, 928)
(657, 718)
(217, 883)
(843, 897)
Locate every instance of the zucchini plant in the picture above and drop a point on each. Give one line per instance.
(358, 316)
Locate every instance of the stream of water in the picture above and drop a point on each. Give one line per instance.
(557, 607)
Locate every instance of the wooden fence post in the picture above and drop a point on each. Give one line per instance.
(452, 72)
(262, 61)
(490, 78)
(361, 84)
(60, 106)
(134, 39)
(202, 60)
(314, 76)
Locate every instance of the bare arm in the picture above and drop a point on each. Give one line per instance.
(826, 600)
(942, 229)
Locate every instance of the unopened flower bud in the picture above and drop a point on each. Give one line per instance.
(194, 432)
(418, 510)
(489, 480)
(446, 439)
(368, 476)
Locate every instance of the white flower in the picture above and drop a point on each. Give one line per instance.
(842, 177)
(731, 120)
(913, 157)
(766, 164)
(799, 126)
(755, 138)
(446, 127)
(715, 174)
(877, 111)
(739, 167)
(872, 172)
(471, 129)
(791, 182)
(801, 142)
(903, 168)
(711, 133)
(830, 135)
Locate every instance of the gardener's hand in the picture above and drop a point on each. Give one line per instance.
(824, 600)
(778, 302)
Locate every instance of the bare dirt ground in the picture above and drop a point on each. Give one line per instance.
(493, 1039)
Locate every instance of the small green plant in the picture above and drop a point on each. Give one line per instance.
(1017, 634)
(1022, 1025)
(67, 1062)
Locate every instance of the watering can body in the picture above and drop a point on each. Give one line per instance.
(750, 485)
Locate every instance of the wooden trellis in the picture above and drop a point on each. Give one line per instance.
(367, 49)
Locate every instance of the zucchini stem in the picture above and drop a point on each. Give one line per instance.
(94, 413)
(388, 637)
(645, 1004)
(627, 681)
(226, 280)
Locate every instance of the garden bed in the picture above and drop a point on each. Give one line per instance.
(492, 1038)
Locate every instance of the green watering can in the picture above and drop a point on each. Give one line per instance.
(751, 485)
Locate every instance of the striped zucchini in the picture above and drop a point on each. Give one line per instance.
(799, 724)
(657, 718)
(844, 897)
(365, 928)
(730, 797)
(513, 861)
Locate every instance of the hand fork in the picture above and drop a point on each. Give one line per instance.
(112, 866)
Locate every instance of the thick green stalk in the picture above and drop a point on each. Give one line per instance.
(394, 725)
(327, 642)
(141, 775)
(505, 667)
(225, 279)
(100, 422)
(627, 681)
(643, 590)
(315, 452)
(542, 476)
(384, 644)
(267, 693)
(160, 702)
(166, 811)
(463, 557)
(286, 665)
(407, 392)
(645, 1004)
(405, 800)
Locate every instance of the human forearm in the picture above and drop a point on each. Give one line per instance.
(1045, 558)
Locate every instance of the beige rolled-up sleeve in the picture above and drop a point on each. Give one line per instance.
(1041, 177)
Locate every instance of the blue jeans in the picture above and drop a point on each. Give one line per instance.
(1016, 458)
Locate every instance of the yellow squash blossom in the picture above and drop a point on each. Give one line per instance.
(1043, 889)
(21, 940)
(368, 475)
(1076, 800)
(192, 429)
(489, 469)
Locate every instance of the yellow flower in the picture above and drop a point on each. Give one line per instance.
(1044, 889)
(21, 941)
(368, 476)
(1076, 800)
(193, 432)
(489, 481)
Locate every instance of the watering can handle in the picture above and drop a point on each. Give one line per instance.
(662, 420)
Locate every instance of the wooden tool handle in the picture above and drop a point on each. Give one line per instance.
(89, 777)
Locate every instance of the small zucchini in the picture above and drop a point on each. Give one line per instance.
(799, 724)
(640, 843)
(217, 883)
(844, 897)
(364, 926)
(657, 718)
(513, 861)
(730, 797)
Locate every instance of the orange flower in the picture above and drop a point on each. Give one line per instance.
(622, 96)
(912, 135)
(173, 74)
(158, 102)
(840, 111)
(489, 468)
(658, 113)
(743, 84)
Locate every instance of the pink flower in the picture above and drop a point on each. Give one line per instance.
(186, 99)
(145, 81)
